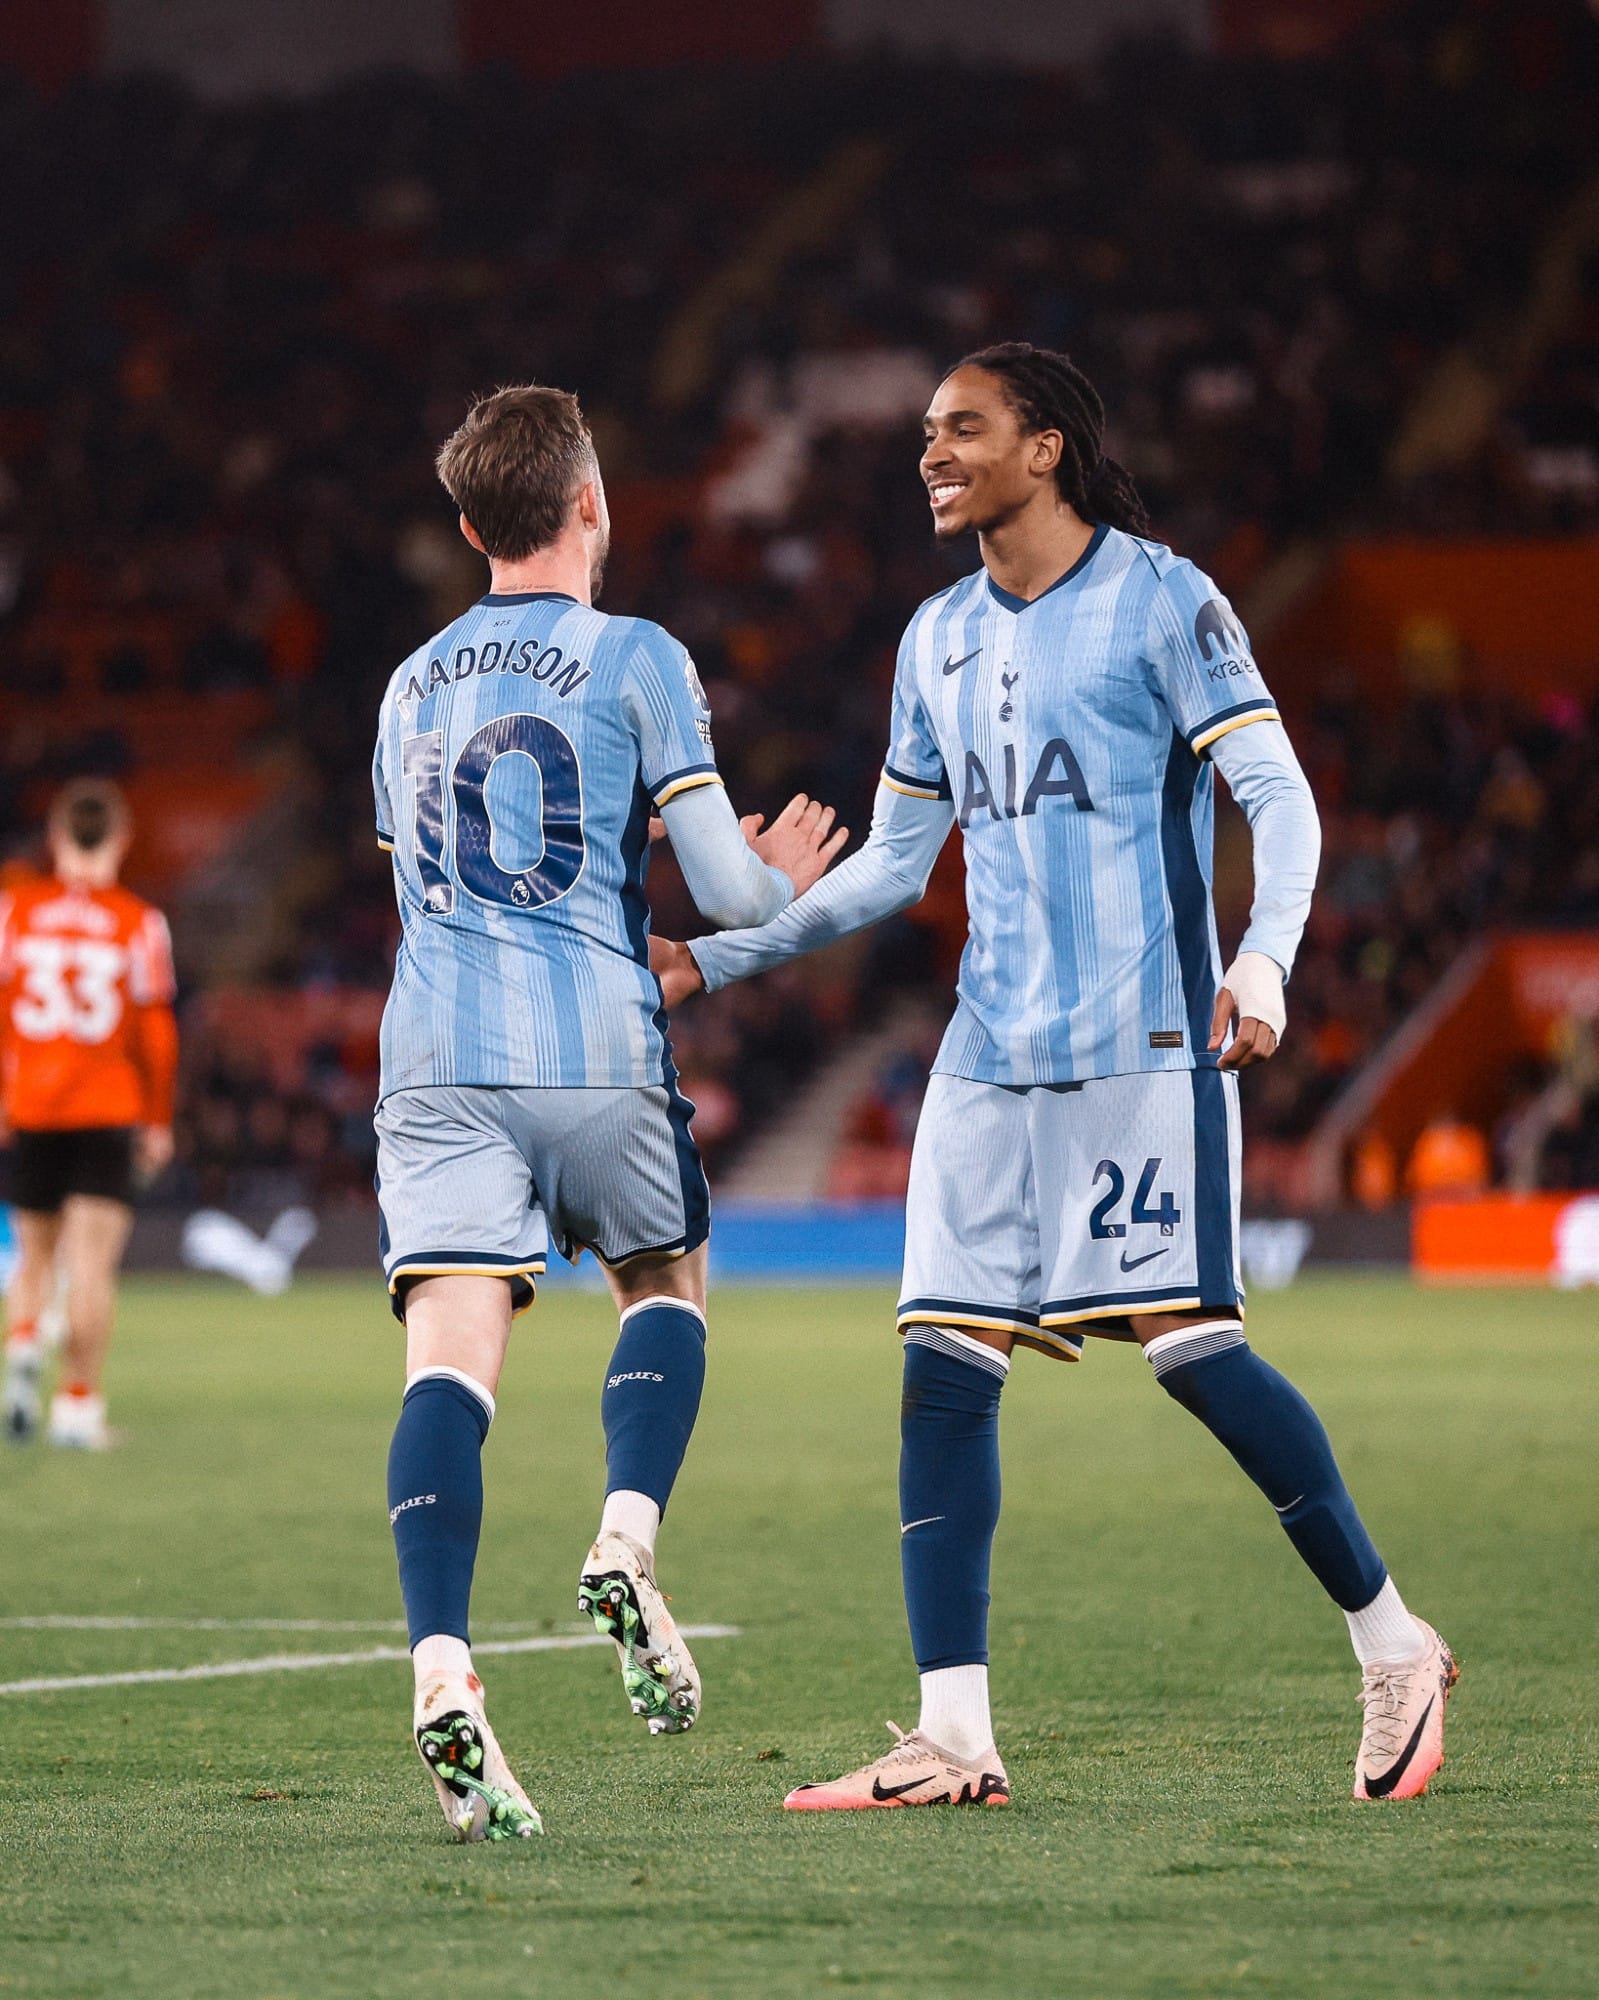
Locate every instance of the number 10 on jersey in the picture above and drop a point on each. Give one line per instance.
(560, 790)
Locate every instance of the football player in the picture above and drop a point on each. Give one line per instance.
(528, 1090)
(89, 1046)
(1076, 1165)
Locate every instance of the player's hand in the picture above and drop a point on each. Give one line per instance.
(801, 840)
(1251, 1004)
(673, 965)
(154, 1150)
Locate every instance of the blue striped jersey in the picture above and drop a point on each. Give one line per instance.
(1070, 733)
(520, 755)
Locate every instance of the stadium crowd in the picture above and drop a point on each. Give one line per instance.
(223, 486)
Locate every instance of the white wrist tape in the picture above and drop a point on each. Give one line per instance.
(1256, 984)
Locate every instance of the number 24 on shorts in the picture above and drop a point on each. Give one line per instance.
(1167, 1213)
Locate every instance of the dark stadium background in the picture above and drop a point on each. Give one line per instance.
(1334, 266)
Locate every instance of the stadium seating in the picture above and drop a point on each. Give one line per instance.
(219, 530)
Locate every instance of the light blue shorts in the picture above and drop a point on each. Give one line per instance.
(1065, 1209)
(474, 1179)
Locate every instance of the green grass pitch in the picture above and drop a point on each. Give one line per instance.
(1175, 1700)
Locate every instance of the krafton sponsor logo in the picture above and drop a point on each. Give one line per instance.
(1220, 641)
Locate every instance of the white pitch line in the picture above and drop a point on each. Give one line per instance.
(289, 1663)
(63, 1622)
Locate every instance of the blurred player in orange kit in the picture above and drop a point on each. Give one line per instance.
(88, 1055)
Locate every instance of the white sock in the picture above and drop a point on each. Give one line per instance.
(441, 1653)
(1385, 1631)
(955, 1710)
(632, 1514)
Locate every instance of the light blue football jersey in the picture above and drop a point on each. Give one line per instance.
(520, 755)
(1071, 734)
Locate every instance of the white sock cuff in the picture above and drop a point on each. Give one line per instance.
(633, 1514)
(468, 1382)
(1193, 1343)
(1384, 1630)
(955, 1712)
(660, 1299)
(960, 1346)
(441, 1653)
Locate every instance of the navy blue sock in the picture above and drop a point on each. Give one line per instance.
(652, 1396)
(436, 1502)
(1279, 1441)
(948, 1496)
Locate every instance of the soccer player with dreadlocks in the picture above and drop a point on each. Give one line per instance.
(1077, 1163)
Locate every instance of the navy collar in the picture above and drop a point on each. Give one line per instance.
(527, 597)
(1012, 602)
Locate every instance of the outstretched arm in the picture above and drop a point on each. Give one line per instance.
(737, 874)
(1264, 776)
(888, 874)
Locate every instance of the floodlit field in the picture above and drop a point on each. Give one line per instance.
(1176, 1702)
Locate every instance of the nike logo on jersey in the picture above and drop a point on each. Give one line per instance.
(1132, 1263)
(954, 666)
(1379, 1788)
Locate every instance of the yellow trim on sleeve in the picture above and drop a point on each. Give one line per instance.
(909, 791)
(688, 784)
(1237, 722)
(387, 846)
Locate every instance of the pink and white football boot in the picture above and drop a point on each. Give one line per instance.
(1402, 1743)
(916, 1772)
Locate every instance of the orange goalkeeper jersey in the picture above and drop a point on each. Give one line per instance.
(87, 1033)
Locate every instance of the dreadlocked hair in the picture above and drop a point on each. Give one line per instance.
(1049, 392)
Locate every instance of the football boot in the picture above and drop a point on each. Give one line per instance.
(1402, 1742)
(20, 1399)
(478, 1795)
(916, 1772)
(77, 1423)
(618, 1591)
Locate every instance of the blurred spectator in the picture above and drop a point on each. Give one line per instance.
(218, 412)
(1450, 1158)
(1374, 1172)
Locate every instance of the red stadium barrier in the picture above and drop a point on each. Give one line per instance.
(1508, 1240)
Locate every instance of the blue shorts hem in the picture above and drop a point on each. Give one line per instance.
(965, 1312)
(677, 1246)
(462, 1263)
